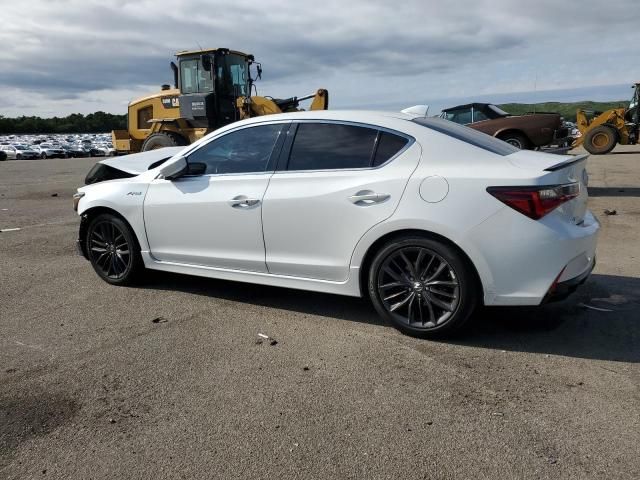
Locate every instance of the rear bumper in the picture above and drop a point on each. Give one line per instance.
(563, 289)
(519, 260)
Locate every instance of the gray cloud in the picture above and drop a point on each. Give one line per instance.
(365, 52)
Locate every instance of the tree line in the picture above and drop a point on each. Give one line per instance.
(98, 122)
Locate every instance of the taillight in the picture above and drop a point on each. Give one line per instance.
(535, 202)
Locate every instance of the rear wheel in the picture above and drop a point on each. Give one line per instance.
(600, 140)
(516, 139)
(423, 287)
(113, 250)
(43, 156)
(163, 139)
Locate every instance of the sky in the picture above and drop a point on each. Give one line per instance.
(80, 56)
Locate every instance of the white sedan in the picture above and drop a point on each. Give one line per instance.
(427, 218)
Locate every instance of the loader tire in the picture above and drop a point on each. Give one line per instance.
(600, 140)
(163, 139)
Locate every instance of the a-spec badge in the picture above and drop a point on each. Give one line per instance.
(585, 177)
(134, 193)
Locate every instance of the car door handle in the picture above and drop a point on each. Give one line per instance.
(242, 201)
(367, 197)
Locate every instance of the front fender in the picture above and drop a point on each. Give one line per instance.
(123, 197)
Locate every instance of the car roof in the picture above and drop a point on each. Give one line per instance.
(467, 105)
(379, 118)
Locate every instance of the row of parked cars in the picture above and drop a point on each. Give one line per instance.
(29, 147)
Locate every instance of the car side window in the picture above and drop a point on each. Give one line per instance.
(242, 151)
(462, 116)
(479, 115)
(329, 146)
(388, 145)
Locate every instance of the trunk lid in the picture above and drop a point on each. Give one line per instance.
(559, 170)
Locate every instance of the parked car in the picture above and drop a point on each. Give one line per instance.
(46, 150)
(522, 131)
(74, 151)
(19, 152)
(426, 218)
(91, 151)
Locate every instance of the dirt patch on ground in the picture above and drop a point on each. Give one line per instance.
(26, 417)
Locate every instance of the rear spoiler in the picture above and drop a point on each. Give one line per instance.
(567, 162)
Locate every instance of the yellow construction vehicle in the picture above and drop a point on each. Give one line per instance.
(212, 88)
(601, 132)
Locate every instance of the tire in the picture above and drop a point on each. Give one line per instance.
(600, 140)
(18, 157)
(163, 139)
(517, 140)
(113, 250)
(442, 308)
(43, 156)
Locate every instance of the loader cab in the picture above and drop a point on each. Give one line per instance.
(210, 83)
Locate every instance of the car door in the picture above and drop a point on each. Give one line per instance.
(337, 181)
(215, 219)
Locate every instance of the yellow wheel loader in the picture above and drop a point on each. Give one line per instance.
(212, 88)
(601, 132)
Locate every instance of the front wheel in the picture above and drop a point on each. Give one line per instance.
(113, 250)
(43, 156)
(600, 140)
(163, 139)
(423, 287)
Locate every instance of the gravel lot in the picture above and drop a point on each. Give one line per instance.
(167, 380)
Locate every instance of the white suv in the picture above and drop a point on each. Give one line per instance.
(425, 217)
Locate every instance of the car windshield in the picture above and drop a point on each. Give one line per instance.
(20, 147)
(468, 135)
(498, 110)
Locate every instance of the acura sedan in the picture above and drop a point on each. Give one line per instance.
(426, 218)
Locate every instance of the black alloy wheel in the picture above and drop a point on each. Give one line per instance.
(113, 250)
(423, 287)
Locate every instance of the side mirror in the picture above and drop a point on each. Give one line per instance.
(175, 169)
(196, 168)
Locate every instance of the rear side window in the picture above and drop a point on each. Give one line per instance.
(326, 146)
(330, 146)
(388, 145)
(468, 135)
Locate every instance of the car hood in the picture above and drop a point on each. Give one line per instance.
(138, 163)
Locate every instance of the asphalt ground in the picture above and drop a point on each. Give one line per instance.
(167, 380)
